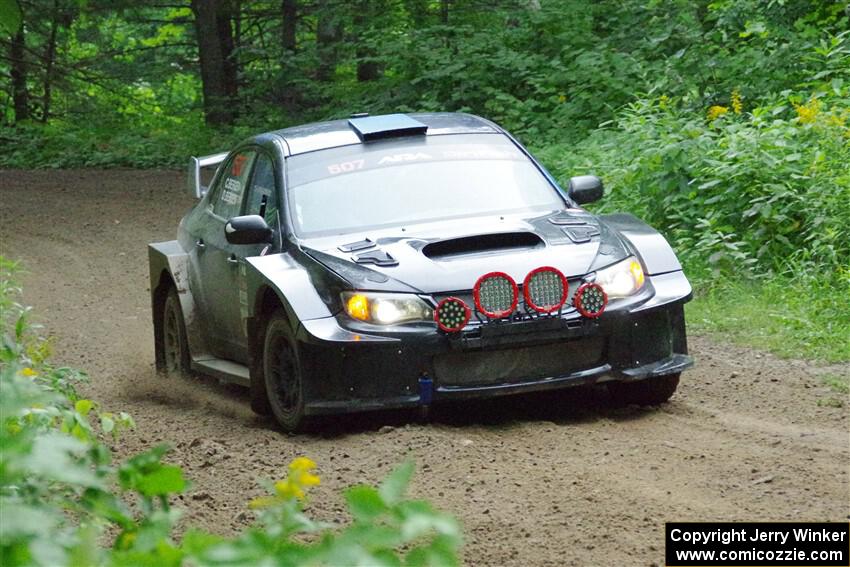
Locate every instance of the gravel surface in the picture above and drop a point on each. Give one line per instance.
(543, 480)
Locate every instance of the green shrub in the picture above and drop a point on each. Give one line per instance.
(754, 197)
(65, 144)
(766, 190)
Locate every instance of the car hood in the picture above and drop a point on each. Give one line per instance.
(450, 255)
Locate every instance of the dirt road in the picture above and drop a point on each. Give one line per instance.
(555, 480)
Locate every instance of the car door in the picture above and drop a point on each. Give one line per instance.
(218, 266)
(260, 199)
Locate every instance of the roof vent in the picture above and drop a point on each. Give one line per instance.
(387, 126)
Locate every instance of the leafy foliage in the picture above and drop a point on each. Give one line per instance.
(10, 16)
(759, 191)
(61, 495)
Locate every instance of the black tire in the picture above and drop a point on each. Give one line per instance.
(175, 347)
(282, 374)
(648, 392)
(259, 397)
(257, 391)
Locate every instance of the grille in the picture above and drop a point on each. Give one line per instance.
(519, 364)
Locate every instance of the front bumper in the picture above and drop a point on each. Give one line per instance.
(635, 339)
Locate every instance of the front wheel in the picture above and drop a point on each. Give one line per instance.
(648, 392)
(175, 347)
(282, 374)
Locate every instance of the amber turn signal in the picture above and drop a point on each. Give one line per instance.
(358, 307)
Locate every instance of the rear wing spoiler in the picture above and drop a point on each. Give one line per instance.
(196, 189)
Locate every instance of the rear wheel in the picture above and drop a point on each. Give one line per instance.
(648, 392)
(175, 347)
(282, 373)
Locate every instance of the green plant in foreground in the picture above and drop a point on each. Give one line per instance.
(61, 496)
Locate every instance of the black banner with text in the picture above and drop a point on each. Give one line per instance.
(757, 544)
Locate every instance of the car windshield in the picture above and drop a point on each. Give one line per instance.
(413, 180)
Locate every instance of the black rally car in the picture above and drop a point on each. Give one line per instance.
(401, 260)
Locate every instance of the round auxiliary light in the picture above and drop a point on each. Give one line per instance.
(590, 300)
(452, 314)
(496, 295)
(545, 289)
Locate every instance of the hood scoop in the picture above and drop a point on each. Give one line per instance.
(482, 243)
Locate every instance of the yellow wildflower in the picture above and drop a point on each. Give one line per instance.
(299, 472)
(737, 104)
(288, 489)
(302, 464)
(663, 102)
(716, 112)
(28, 372)
(562, 98)
(298, 478)
(807, 113)
(309, 479)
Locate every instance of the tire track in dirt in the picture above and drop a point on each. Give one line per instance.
(559, 479)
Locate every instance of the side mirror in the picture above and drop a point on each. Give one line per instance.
(248, 229)
(585, 189)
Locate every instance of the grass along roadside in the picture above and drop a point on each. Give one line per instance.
(793, 319)
(839, 385)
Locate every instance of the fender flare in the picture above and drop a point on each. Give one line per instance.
(656, 253)
(290, 282)
(292, 288)
(169, 265)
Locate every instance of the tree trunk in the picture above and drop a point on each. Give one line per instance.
(289, 10)
(20, 95)
(218, 70)
(444, 20)
(49, 61)
(328, 35)
(224, 24)
(367, 69)
(237, 25)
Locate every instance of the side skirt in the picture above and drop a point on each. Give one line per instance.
(224, 370)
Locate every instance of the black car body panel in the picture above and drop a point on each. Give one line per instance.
(227, 291)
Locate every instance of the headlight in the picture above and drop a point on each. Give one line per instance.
(622, 279)
(385, 308)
